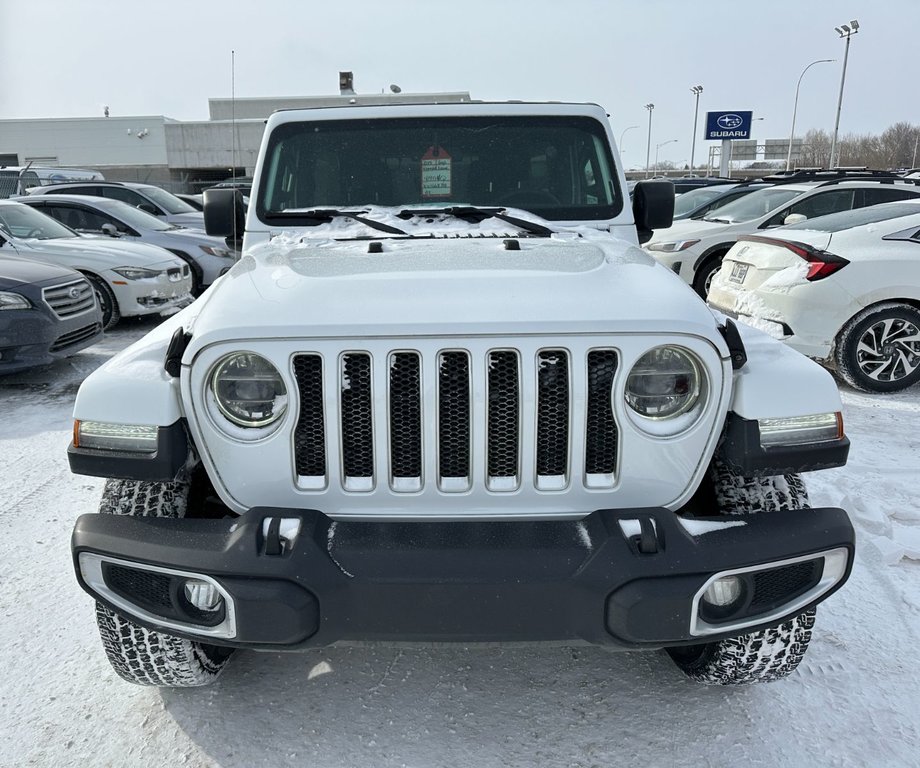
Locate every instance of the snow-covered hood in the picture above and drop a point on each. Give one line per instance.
(688, 228)
(110, 250)
(442, 287)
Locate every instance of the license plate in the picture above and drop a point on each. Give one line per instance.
(739, 272)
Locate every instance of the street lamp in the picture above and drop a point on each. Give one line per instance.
(648, 144)
(696, 90)
(629, 128)
(846, 31)
(795, 106)
(659, 146)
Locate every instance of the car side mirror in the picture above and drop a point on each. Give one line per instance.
(148, 208)
(224, 213)
(110, 229)
(795, 218)
(653, 207)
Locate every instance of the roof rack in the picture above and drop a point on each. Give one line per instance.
(835, 176)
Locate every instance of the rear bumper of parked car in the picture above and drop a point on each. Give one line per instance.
(283, 578)
(29, 337)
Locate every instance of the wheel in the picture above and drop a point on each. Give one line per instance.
(704, 275)
(879, 349)
(140, 655)
(106, 298)
(768, 654)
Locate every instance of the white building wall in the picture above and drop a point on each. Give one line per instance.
(103, 141)
(210, 144)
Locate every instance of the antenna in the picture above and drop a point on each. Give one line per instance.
(233, 136)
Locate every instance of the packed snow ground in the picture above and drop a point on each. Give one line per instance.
(853, 702)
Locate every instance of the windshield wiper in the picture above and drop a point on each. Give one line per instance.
(717, 221)
(323, 215)
(474, 215)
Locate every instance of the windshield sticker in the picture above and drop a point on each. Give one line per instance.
(436, 172)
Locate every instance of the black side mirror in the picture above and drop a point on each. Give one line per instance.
(224, 213)
(653, 207)
(148, 208)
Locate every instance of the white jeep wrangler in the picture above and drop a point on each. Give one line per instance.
(444, 396)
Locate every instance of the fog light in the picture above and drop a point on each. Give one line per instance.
(203, 595)
(723, 592)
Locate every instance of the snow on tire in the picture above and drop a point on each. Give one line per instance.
(141, 655)
(768, 654)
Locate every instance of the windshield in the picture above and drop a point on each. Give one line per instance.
(24, 222)
(754, 205)
(557, 167)
(166, 200)
(835, 222)
(135, 217)
(690, 201)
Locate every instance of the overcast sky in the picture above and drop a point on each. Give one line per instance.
(65, 58)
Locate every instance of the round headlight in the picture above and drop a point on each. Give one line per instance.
(248, 390)
(665, 382)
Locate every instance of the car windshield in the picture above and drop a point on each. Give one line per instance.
(557, 167)
(836, 222)
(24, 222)
(166, 200)
(690, 201)
(754, 205)
(135, 217)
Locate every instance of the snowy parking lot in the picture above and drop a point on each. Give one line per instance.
(853, 701)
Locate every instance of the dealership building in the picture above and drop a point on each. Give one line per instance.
(179, 155)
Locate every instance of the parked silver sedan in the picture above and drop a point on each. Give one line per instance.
(208, 256)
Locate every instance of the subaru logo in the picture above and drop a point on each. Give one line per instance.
(729, 122)
(74, 292)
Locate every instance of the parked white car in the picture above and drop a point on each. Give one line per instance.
(209, 257)
(130, 279)
(694, 249)
(844, 289)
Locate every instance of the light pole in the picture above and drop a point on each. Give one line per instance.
(696, 90)
(795, 106)
(648, 143)
(622, 134)
(846, 31)
(659, 146)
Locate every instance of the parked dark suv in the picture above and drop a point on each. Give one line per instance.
(46, 313)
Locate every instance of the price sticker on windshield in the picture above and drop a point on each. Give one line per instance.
(436, 173)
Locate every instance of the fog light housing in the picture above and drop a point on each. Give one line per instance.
(202, 594)
(724, 592)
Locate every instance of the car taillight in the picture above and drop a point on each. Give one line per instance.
(821, 264)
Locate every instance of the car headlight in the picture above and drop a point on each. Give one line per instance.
(671, 247)
(13, 301)
(213, 250)
(248, 390)
(136, 273)
(664, 383)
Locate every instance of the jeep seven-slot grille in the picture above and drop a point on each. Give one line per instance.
(528, 418)
(70, 298)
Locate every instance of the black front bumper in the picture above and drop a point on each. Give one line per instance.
(461, 581)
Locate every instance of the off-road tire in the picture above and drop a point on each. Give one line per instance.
(140, 655)
(765, 655)
(107, 302)
(868, 327)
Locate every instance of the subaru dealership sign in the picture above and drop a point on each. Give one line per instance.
(728, 125)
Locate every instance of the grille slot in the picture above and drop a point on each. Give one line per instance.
(357, 421)
(310, 432)
(75, 337)
(454, 420)
(71, 298)
(405, 401)
(552, 419)
(776, 586)
(504, 420)
(601, 435)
